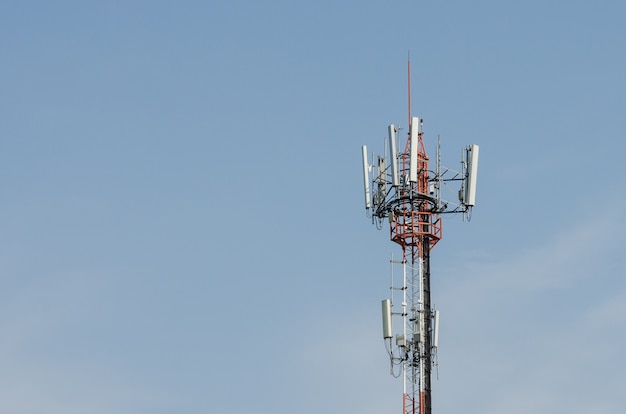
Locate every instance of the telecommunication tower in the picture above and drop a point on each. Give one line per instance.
(400, 187)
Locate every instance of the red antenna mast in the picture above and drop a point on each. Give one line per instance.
(409, 86)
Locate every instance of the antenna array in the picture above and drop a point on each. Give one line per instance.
(412, 197)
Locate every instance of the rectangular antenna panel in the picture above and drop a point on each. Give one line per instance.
(394, 155)
(436, 329)
(366, 179)
(472, 173)
(387, 319)
(413, 149)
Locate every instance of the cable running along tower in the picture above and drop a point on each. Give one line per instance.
(401, 187)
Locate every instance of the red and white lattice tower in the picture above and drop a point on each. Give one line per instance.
(402, 189)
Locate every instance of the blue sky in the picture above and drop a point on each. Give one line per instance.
(182, 227)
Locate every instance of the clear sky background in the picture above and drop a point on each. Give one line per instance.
(181, 219)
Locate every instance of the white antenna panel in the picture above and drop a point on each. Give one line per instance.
(394, 157)
(387, 318)
(436, 329)
(472, 173)
(366, 179)
(414, 136)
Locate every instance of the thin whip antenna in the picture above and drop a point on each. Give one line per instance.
(409, 85)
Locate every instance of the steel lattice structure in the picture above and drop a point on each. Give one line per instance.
(407, 193)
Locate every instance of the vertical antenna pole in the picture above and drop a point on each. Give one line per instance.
(438, 175)
(404, 323)
(409, 86)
